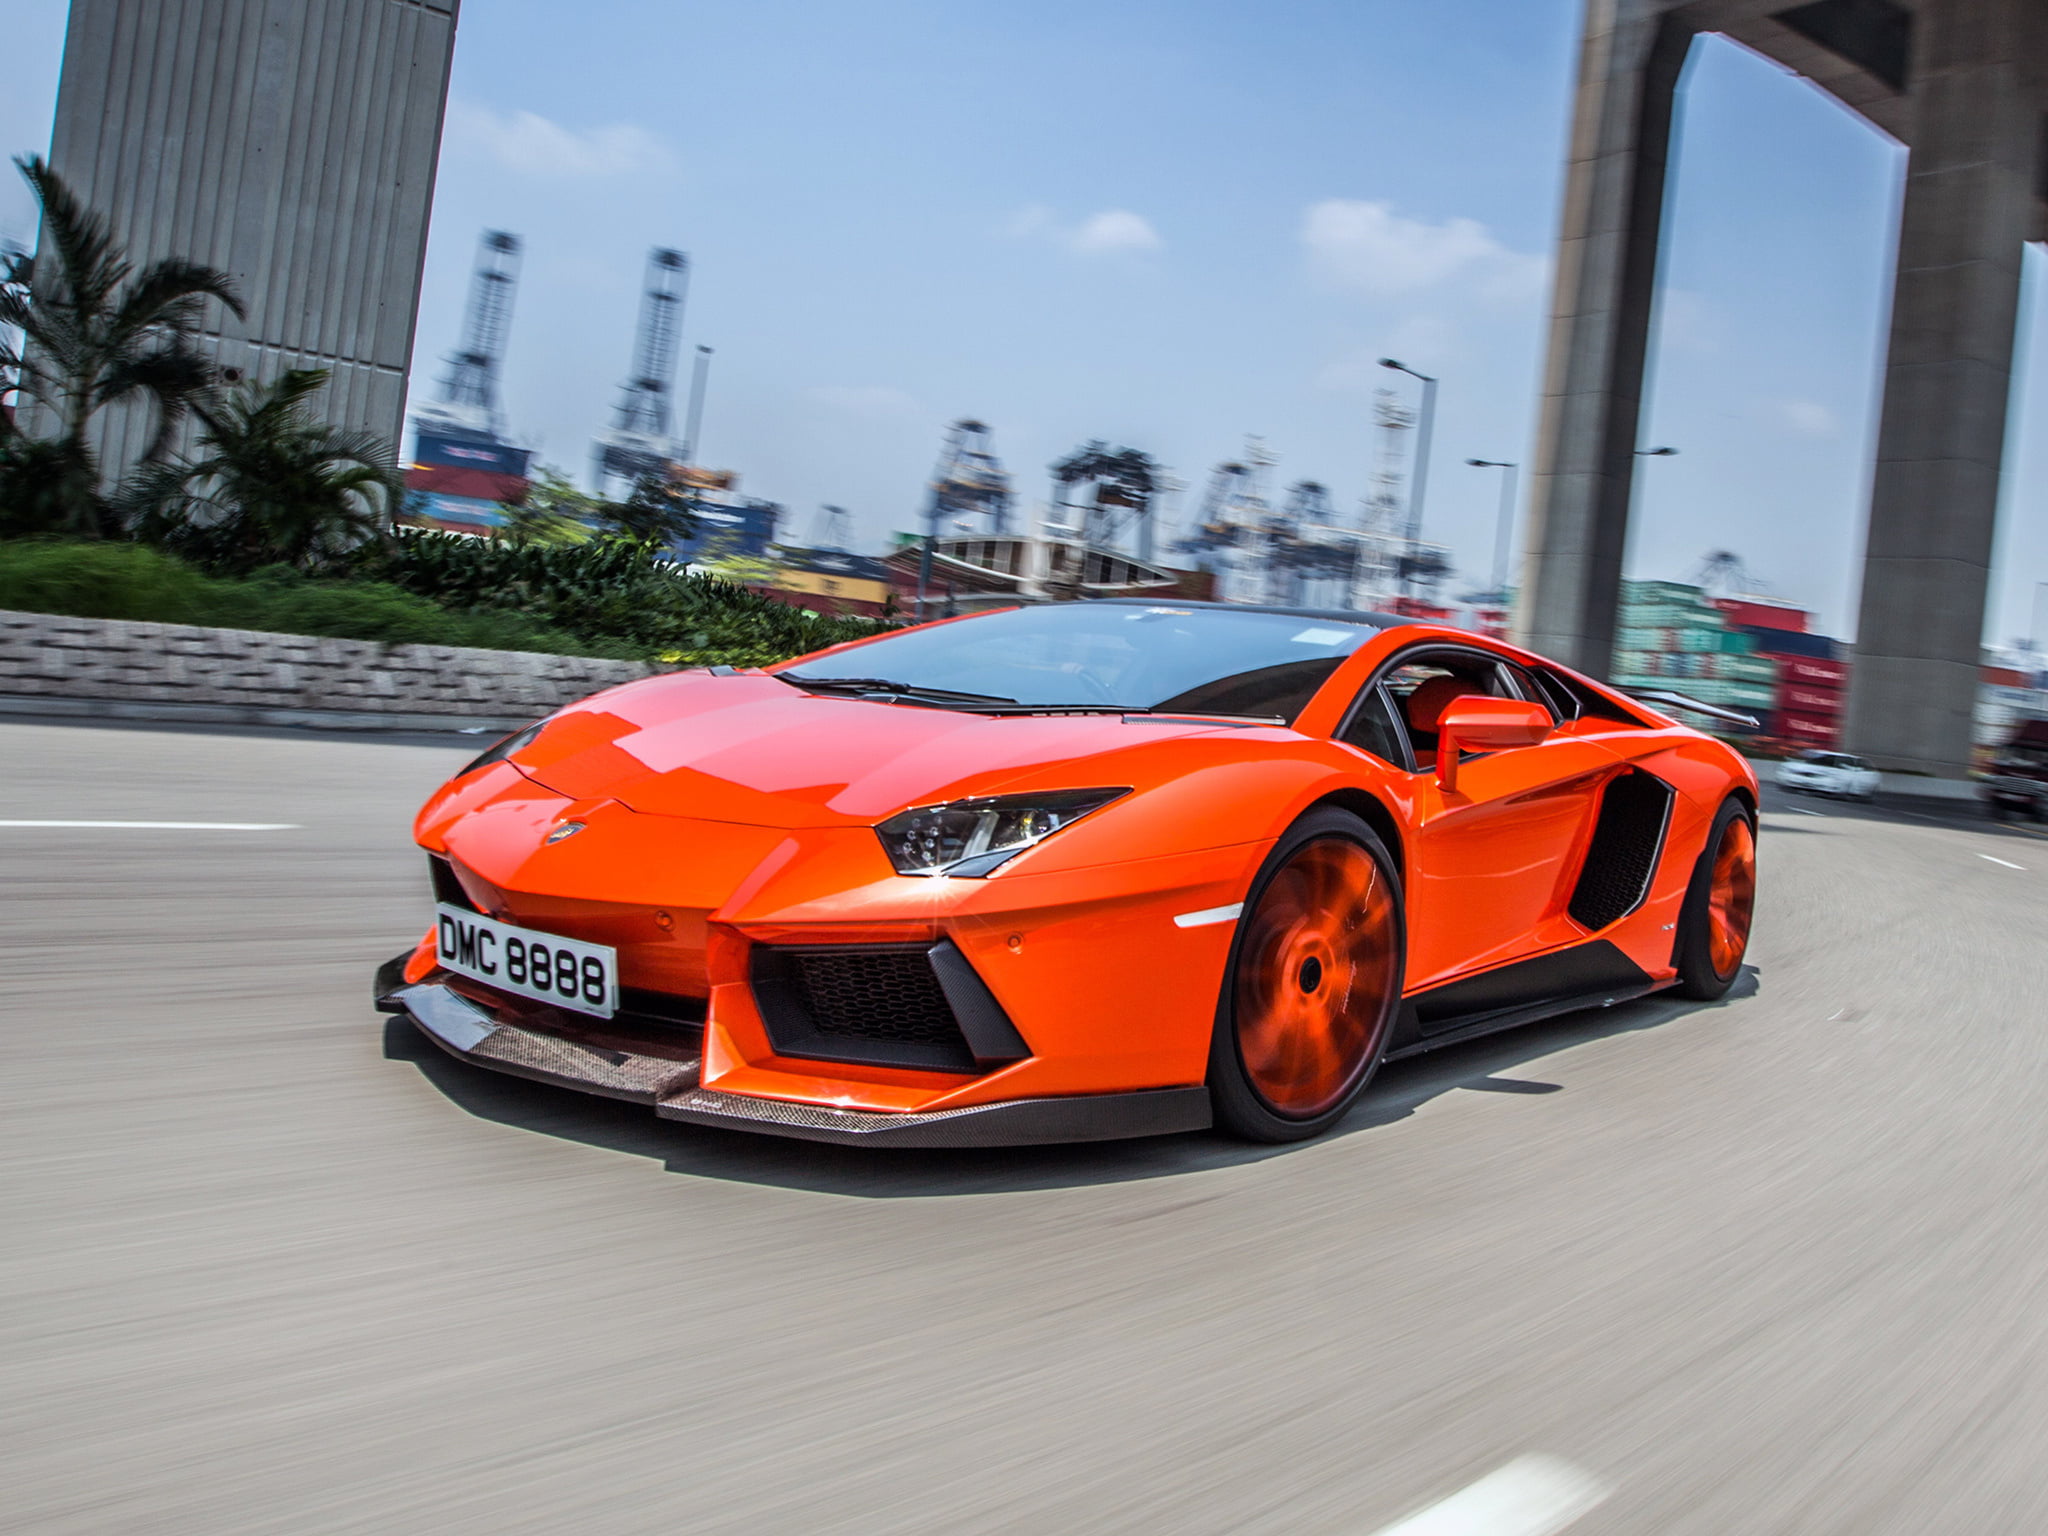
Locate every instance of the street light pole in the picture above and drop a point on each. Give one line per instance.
(1420, 487)
(1507, 516)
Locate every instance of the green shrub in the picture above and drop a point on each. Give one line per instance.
(609, 593)
(99, 581)
(612, 594)
(130, 581)
(598, 599)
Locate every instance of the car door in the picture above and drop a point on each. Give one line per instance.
(1490, 863)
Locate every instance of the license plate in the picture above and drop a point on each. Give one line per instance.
(543, 966)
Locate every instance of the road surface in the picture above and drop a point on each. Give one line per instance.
(1774, 1265)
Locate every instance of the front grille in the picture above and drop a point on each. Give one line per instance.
(882, 1004)
(877, 995)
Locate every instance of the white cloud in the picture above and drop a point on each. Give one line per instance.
(1113, 231)
(526, 141)
(865, 402)
(1368, 248)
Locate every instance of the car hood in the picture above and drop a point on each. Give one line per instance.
(745, 748)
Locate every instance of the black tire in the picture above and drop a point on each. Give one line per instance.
(1309, 926)
(1706, 966)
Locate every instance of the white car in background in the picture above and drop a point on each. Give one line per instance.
(1829, 773)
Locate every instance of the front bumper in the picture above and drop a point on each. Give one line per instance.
(670, 1085)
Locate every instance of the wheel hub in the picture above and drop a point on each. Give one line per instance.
(1316, 977)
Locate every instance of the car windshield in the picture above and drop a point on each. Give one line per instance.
(1155, 657)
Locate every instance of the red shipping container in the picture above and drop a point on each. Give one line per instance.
(1810, 701)
(1763, 615)
(1808, 731)
(1800, 669)
(480, 484)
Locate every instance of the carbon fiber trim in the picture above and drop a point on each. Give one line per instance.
(1018, 1122)
(465, 1030)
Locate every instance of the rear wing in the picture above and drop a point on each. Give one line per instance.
(1661, 698)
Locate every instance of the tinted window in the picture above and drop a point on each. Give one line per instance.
(1419, 689)
(1372, 729)
(1203, 660)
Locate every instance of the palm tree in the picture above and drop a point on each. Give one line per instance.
(272, 484)
(95, 331)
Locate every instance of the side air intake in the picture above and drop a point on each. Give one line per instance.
(889, 1005)
(1635, 808)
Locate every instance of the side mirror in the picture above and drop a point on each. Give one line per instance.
(1477, 724)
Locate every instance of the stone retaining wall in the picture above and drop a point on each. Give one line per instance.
(244, 674)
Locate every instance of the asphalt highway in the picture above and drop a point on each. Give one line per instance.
(268, 1265)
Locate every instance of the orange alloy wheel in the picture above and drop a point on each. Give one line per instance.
(1316, 977)
(1731, 898)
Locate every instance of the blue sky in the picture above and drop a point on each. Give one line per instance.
(1164, 225)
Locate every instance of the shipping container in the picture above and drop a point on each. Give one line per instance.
(1808, 731)
(468, 453)
(1811, 701)
(1800, 669)
(1746, 612)
(1773, 642)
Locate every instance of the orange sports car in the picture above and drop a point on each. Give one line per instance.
(1089, 869)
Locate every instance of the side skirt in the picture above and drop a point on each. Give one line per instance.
(1594, 975)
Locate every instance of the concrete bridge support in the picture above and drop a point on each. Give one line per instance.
(1961, 83)
(1970, 204)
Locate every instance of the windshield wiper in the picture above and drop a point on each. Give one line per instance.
(884, 685)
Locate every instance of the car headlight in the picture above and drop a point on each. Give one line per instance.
(503, 750)
(973, 837)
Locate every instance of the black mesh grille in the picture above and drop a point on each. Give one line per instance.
(880, 995)
(1623, 854)
(873, 1003)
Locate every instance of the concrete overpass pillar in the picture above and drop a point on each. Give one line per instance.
(1971, 186)
(1629, 66)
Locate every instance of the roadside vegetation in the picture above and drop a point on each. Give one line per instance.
(245, 508)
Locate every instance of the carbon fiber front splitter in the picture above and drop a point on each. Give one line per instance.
(670, 1085)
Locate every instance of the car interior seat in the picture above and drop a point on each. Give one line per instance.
(1425, 707)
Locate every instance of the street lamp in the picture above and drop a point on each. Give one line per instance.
(1421, 485)
(1655, 453)
(1507, 513)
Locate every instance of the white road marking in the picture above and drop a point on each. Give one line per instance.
(2008, 863)
(1208, 915)
(1802, 810)
(167, 826)
(1530, 1496)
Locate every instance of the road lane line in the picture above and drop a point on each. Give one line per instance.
(166, 826)
(2008, 863)
(1530, 1496)
(1802, 810)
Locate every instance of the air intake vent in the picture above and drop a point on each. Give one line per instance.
(1627, 838)
(447, 889)
(899, 1005)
